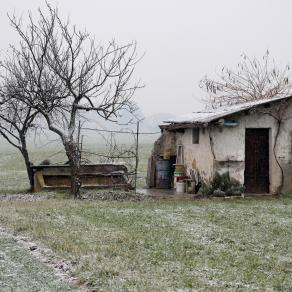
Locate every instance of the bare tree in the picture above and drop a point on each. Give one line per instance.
(62, 71)
(252, 79)
(16, 122)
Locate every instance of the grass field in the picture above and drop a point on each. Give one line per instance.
(165, 246)
(19, 271)
(13, 177)
(209, 245)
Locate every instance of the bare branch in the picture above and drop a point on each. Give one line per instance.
(254, 79)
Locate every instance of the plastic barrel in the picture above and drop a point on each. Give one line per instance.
(163, 174)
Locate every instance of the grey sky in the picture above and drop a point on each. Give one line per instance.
(183, 40)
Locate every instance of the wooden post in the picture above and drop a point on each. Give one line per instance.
(81, 147)
(137, 154)
(78, 141)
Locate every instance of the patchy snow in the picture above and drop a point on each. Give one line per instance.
(209, 116)
(25, 197)
(38, 268)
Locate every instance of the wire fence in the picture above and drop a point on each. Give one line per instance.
(113, 149)
(116, 153)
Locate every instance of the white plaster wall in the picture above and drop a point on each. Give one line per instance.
(197, 156)
(229, 145)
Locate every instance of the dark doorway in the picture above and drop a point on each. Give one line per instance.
(256, 175)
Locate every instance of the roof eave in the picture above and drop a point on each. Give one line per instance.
(183, 125)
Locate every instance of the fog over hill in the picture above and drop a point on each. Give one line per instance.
(127, 123)
(147, 123)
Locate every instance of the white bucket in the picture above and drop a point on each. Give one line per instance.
(180, 187)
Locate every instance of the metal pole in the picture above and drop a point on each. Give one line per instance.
(137, 154)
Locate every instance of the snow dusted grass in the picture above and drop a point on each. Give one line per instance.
(19, 271)
(215, 245)
(242, 244)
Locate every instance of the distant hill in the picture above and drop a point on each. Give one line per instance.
(148, 124)
(151, 123)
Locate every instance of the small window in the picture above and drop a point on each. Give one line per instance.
(196, 135)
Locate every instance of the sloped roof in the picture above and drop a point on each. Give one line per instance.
(205, 117)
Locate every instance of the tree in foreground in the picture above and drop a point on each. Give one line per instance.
(17, 120)
(62, 71)
(253, 79)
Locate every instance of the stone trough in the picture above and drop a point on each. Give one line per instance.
(56, 176)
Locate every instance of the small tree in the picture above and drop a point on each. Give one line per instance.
(16, 121)
(63, 71)
(253, 79)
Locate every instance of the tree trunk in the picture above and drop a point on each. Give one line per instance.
(28, 165)
(72, 153)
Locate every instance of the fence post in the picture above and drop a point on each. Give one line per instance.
(78, 141)
(137, 155)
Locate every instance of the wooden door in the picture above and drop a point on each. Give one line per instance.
(256, 175)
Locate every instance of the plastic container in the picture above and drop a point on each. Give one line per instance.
(179, 168)
(180, 187)
(178, 174)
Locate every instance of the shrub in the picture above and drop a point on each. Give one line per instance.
(222, 185)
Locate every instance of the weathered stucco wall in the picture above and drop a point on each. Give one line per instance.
(166, 143)
(223, 149)
(197, 157)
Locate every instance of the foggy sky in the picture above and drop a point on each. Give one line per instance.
(182, 40)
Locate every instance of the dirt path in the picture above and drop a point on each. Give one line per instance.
(25, 267)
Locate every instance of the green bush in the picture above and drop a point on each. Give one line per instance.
(222, 185)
